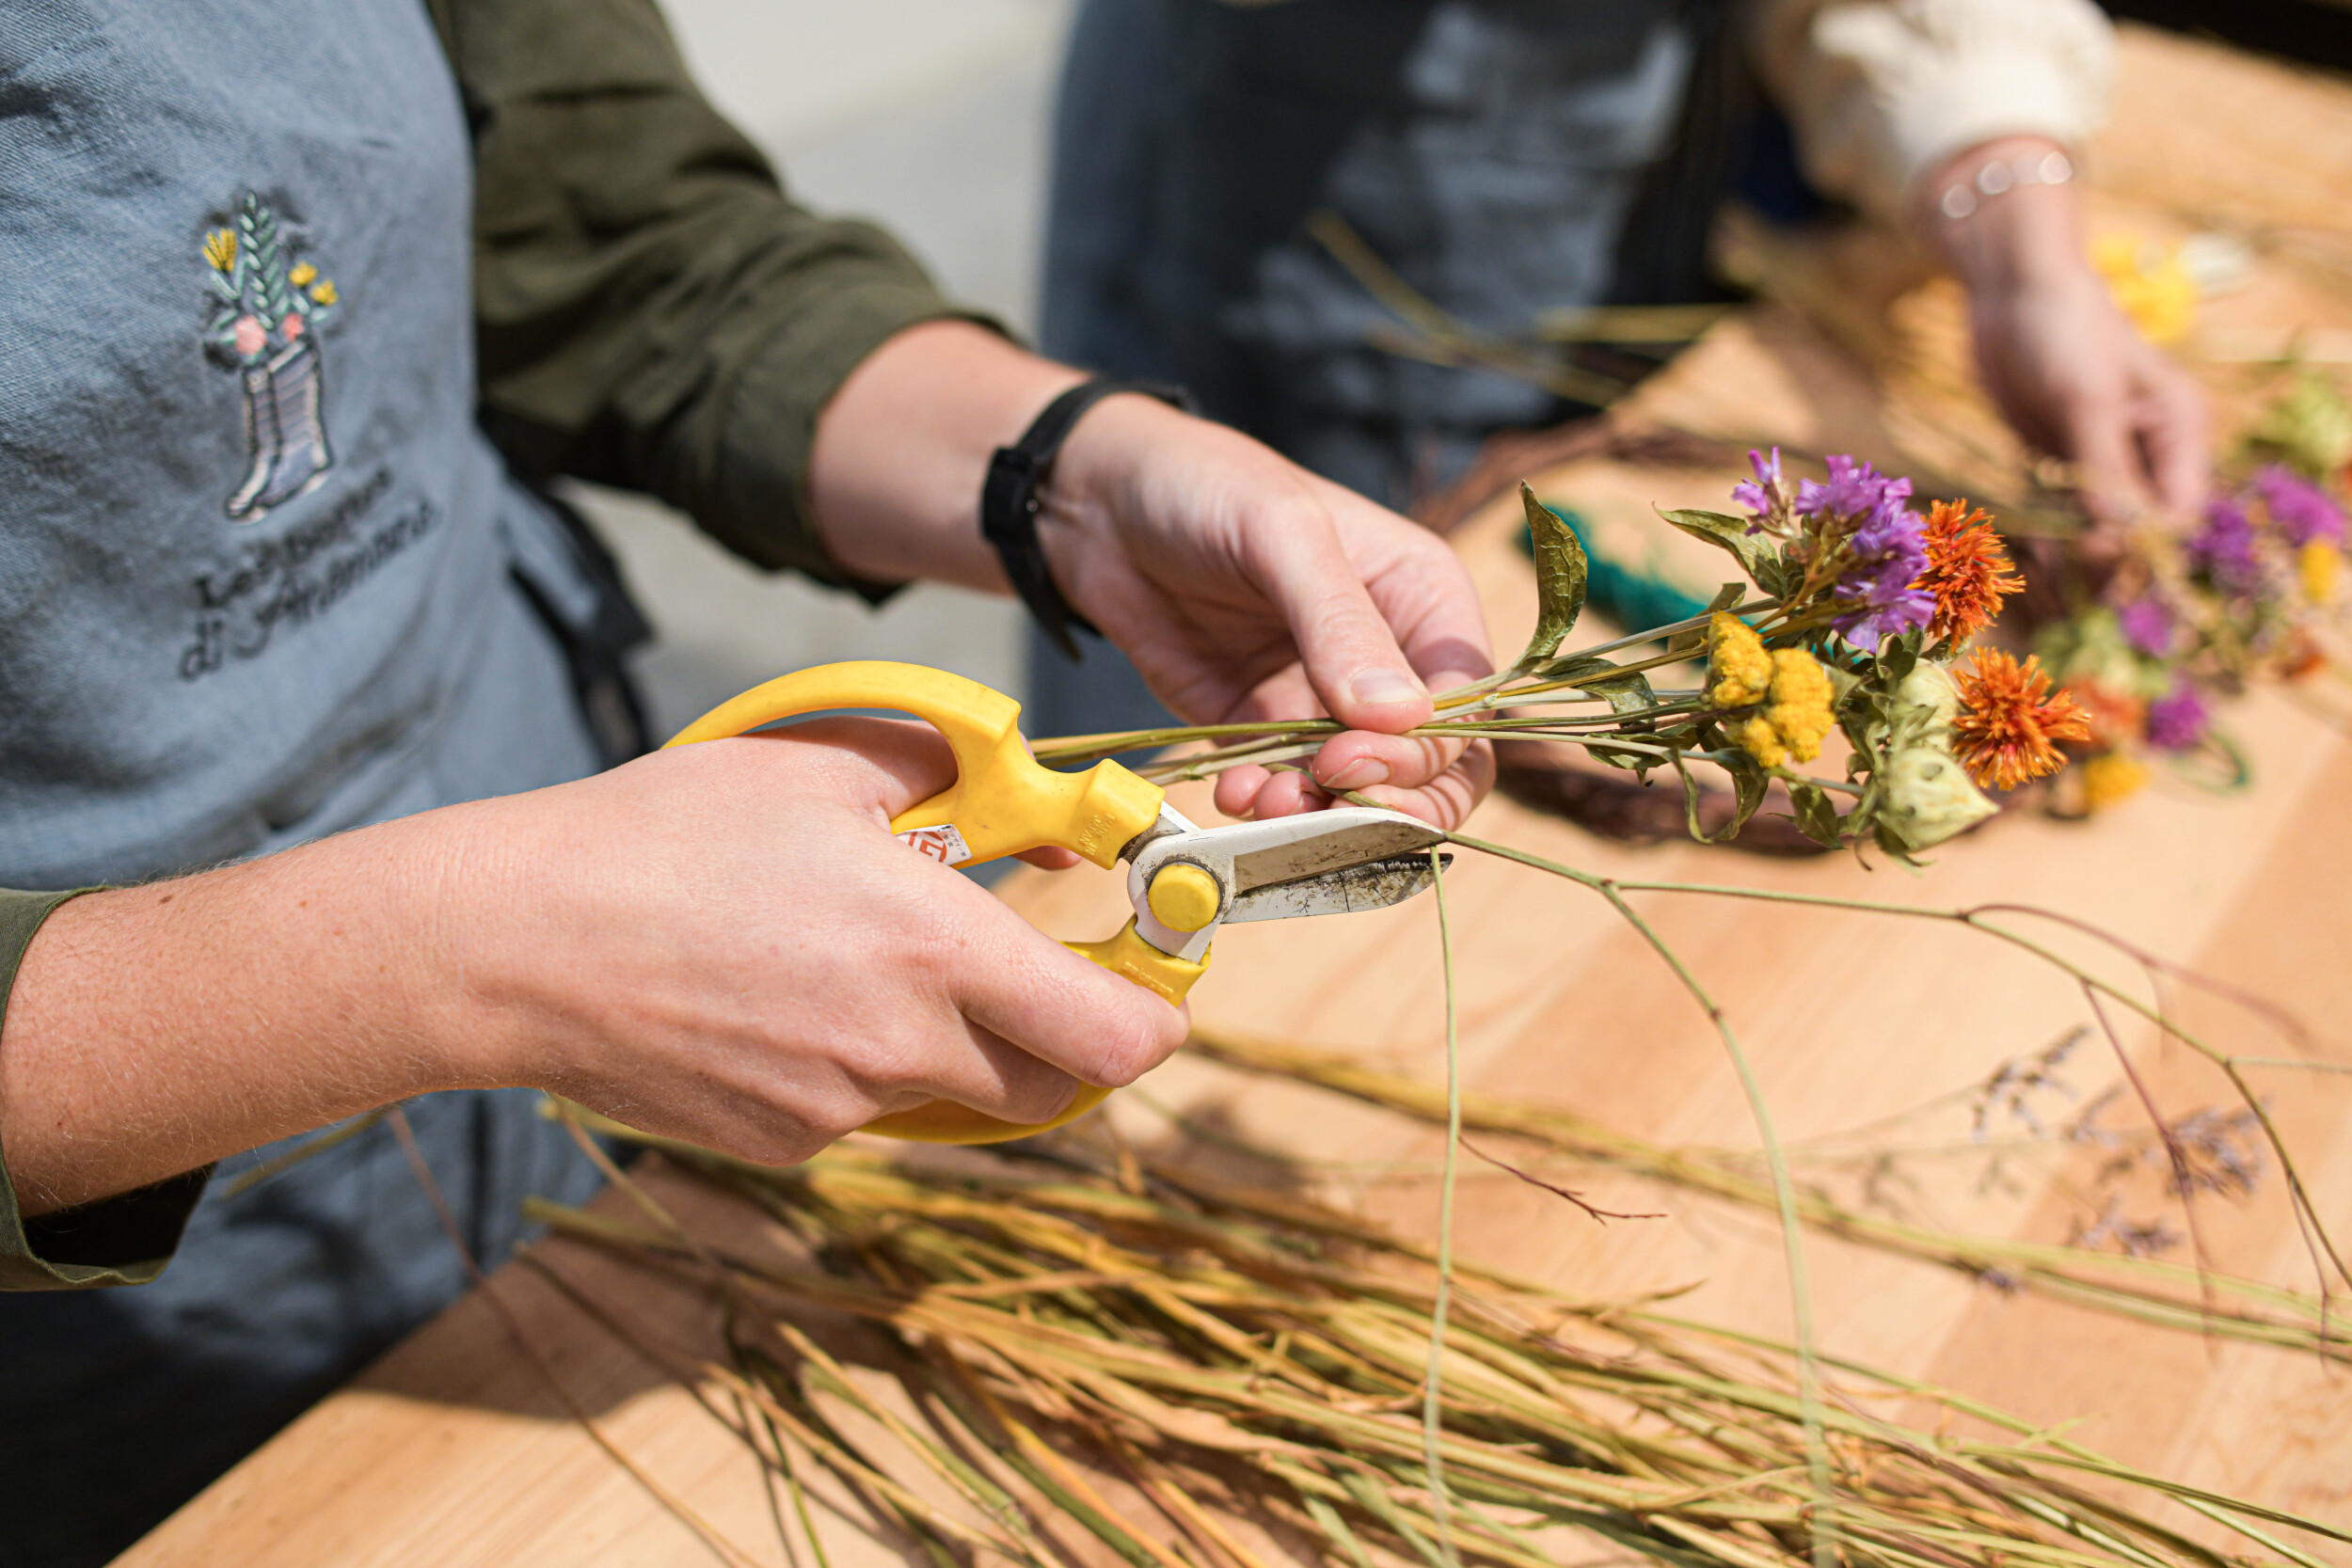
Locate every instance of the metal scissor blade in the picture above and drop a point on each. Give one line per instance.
(1372, 885)
(1323, 842)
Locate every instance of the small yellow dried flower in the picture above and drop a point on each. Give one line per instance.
(1740, 671)
(220, 248)
(1797, 716)
(1761, 741)
(1801, 703)
(325, 292)
(2320, 565)
(302, 274)
(2111, 778)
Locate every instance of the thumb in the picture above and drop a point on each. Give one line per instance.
(1349, 651)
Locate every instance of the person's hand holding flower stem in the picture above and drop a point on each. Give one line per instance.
(1243, 587)
(2059, 357)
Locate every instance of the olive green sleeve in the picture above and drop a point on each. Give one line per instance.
(120, 1240)
(653, 312)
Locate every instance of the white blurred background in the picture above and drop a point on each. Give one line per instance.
(931, 117)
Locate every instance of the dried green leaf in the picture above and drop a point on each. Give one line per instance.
(1692, 797)
(1749, 782)
(1814, 816)
(1560, 574)
(1626, 694)
(1753, 551)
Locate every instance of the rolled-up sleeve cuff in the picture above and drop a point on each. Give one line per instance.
(770, 432)
(125, 1239)
(1965, 100)
(1884, 93)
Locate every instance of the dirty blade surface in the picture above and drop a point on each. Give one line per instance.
(1350, 890)
(1375, 835)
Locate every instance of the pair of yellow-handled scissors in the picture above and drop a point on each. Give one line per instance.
(1185, 881)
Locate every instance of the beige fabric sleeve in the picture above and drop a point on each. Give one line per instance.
(1880, 91)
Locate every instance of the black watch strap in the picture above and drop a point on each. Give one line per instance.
(1010, 500)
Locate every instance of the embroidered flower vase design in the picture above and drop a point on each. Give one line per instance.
(262, 316)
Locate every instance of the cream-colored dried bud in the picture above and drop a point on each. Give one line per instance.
(1929, 796)
(1925, 704)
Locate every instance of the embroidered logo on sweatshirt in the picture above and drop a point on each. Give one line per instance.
(266, 304)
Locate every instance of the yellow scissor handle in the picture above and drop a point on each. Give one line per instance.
(1004, 801)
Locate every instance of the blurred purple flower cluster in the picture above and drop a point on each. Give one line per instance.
(2149, 626)
(1886, 545)
(2176, 721)
(2302, 511)
(2224, 551)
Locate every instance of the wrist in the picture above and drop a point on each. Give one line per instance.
(2004, 215)
(503, 910)
(1042, 511)
(903, 448)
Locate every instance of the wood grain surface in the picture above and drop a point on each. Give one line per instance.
(455, 1449)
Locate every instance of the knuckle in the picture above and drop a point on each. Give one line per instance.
(832, 1122)
(890, 1060)
(786, 1138)
(1132, 1043)
(1038, 1096)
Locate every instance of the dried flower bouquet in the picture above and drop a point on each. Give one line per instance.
(1854, 616)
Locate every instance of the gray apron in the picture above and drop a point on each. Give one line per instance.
(260, 580)
(1505, 157)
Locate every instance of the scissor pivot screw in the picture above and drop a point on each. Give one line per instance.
(1185, 898)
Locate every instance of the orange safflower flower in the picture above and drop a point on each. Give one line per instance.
(2009, 724)
(1968, 572)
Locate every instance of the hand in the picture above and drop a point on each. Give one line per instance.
(1243, 587)
(1246, 588)
(784, 971)
(720, 942)
(2061, 360)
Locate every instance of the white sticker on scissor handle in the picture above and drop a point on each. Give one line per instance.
(941, 844)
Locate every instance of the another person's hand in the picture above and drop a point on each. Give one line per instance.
(1242, 586)
(722, 942)
(2060, 359)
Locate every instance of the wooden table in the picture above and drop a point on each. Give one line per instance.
(453, 1451)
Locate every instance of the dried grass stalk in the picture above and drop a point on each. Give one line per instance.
(1209, 1341)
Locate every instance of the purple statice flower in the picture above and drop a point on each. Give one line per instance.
(1853, 490)
(1878, 593)
(2177, 719)
(2147, 625)
(1763, 495)
(2303, 512)
(2223, 549)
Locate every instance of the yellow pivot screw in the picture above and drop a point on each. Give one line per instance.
(1184, 898)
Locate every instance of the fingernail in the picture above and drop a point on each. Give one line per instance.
(1360, 774)
(1378, 686)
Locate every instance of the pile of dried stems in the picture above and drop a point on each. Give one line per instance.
(1254, 1367)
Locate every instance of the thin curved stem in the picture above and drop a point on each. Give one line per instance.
(1432, 1409)
(2299, 1191)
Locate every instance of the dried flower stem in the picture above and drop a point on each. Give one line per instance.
(2322, 1244)
(1433, 1397)
(1235, 1325)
